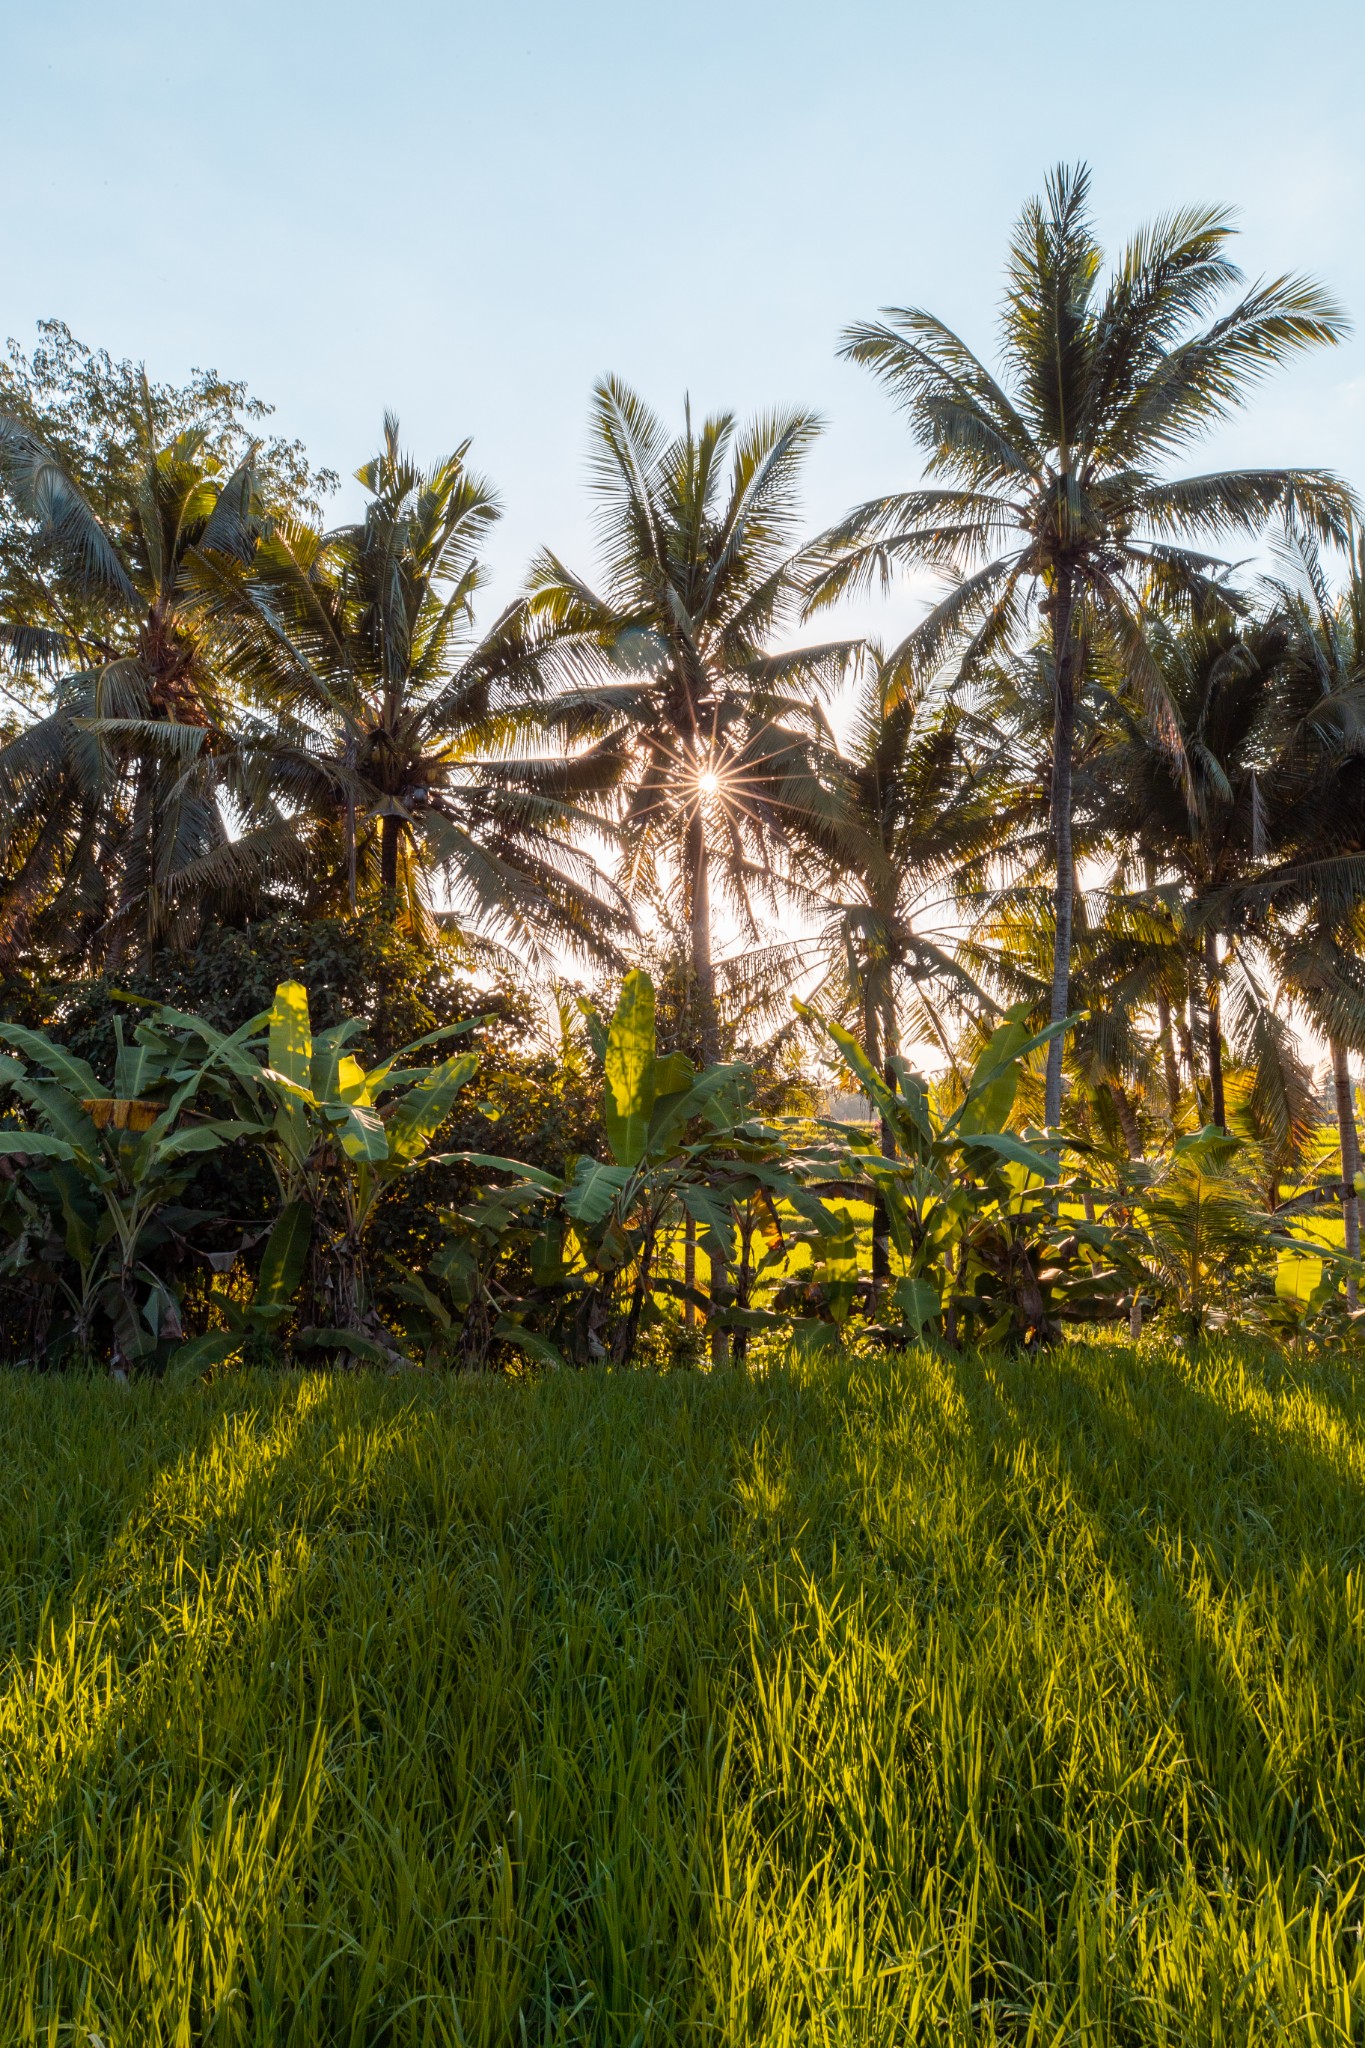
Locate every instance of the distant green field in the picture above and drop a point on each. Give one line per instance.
(866, 1702)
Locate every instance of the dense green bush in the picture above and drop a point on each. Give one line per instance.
(533, 1099)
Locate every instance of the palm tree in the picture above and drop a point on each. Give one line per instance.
(114, 798)
(912, 834)
(385, 718)
(1199, 824)
(1307, 907)
(671, 668)
(1056, 506)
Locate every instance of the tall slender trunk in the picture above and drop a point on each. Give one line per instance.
(891, 1037)
(881, 1241)
(708, 1027)
(1127, 1118)
(1163, 1016)
(1063, 737)
(350, 832)
(389, 830)
(690, 1269)
(699, 912)
(1350, 1157)
(1185, 1033)
(1215, 1030)
(1172, 1077)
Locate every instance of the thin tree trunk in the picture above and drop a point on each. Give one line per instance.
(1182, 1025)
(1127, 1116)
(881, 1245)
(1215, 1031)
(389, 829)
(1063, 736)
(350, 831)
(690, 1270)
(703, 973)
(1350, 1158)
(1163, 1013)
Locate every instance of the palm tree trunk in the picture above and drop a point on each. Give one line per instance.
(1186, 1037)
(703, 973)
(1215, 1031)
(1172, 1076)
(881, 1242)
(1350, 1157)
(350, 831)
(1163, 1016)
(389, 829)
(690, 1269)
(1063, 738)
(1127, 1116)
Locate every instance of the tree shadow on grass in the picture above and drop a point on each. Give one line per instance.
(389, 1707)
(1231, 1522)
(1051, 1722)
(621, 1709)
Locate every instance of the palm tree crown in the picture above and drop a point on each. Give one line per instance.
(673, 667)
(1056, 507)
(385, 714)
(112, 802)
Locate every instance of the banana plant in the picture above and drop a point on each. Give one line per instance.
(988, 1233)
(682, 1146)
(105, 1169)
(339, 1136)
(1196, 1226)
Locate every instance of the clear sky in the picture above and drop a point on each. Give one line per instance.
(467, 213)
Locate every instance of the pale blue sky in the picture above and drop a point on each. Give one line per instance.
(468, 213)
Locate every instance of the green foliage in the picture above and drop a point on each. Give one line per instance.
(104, 1167)
(600, 1238)
(225, 720)
(976, 1214)
(338, 1137)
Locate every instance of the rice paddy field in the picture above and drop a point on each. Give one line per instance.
(863, 1701)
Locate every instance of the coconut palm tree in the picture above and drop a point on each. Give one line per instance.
(671, 666)
(911, 838)
(384, 718)
(1307, 906)
(122, 801)
(1198, 825)
(1051, 501)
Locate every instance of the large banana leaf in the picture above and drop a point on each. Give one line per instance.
(629, 1067)
(426, 1106)
(33, 1145)
(1010, 1053)
(284, 1259)
(361, 1131)
(995, 1080)
(73, 1074)
(1006, 1146)
(66, 1119)
(593, 1189)
(290, 1040)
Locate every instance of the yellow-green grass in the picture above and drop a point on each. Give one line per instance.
(870, 1701)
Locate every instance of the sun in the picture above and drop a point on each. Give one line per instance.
(708, 782)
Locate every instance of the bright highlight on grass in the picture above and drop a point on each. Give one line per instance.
(876, 1702)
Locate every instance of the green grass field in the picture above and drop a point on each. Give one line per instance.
(871, 1702)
